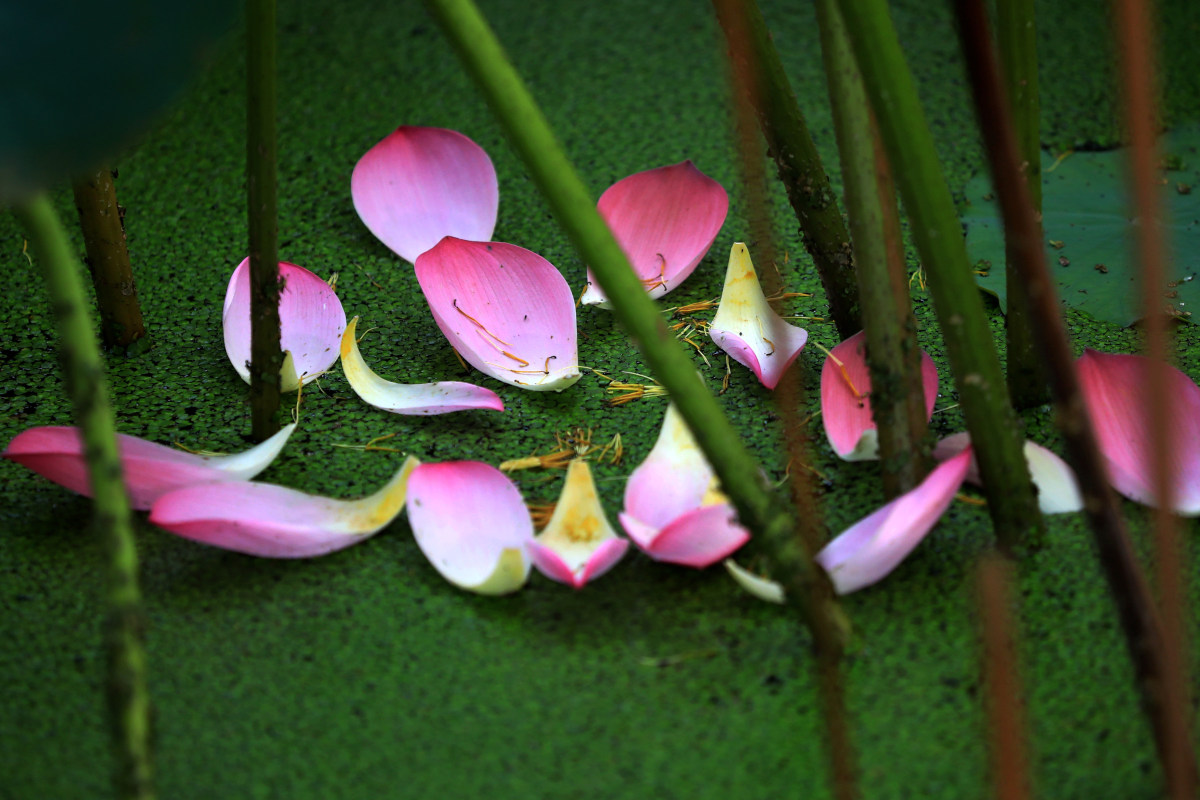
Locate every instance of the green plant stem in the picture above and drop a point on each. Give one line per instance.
(1016, 40)
(266, 357)
(107, 260)
(994, 428)
(790, 144)
(890, 329)
(128, 697)
(741, 479)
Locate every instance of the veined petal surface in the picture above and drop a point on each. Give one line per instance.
(846, 399)
(1057, 489)
(506, 310)
(150, 470)
(420, 184)
(311, 321)
(470, 522)
(748, 329)
(665, 220)
(578, 544)
(261, 519)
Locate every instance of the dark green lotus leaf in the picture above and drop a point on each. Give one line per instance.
(1089, 231)
(79, 79)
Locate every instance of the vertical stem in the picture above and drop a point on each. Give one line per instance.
(108, 260)
(124, 627)
(266, 358)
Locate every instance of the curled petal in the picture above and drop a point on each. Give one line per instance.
(699, 538)
(470, 522)
(673, 478)
(762, 588)
(1057, 489)
(874, 546)
(276, 522)
(846, 402)
(150, 470)
(311, 321)
(577, 544)
(506, 310)
(748, 329)
(1114, 388)
(665, 220)
(420, 184)
(410, 398)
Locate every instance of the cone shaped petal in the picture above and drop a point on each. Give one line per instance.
(578, 544)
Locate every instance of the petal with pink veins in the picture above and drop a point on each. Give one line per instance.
(875, 545)
(1057, 489)
(846, 402)
(665, 220)
(311, 321)
(578, 544)
(150, 470)
(470, 522)
(420, 184)
(441, 397)
(748, 329)
(506, 310)
(1114, 388)
(261, 519)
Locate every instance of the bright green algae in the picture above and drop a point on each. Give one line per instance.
(364, 674)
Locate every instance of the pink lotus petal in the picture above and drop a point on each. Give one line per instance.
(577, 544)
(276, 522)
(150, 470)
(665, 220)
(1114, 388)
(506, 310)
(846, 403)
(876, 544)
(470, 522)
(673, 478)
(698, 538)
(410, 398)
(748, 329)
(311, 321)
(1057, 489)
(420, 184)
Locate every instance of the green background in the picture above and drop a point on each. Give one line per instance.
(363, 674)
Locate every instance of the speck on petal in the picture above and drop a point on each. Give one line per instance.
(846, 403)
(665, 220)
(578, 544)
(506, 310)
(762, 588)
(261, 519)
(410, 398)
(748, 329)
(420, 184)
(150, 470)
(311, 321)
(470, 522)
(1057, 489)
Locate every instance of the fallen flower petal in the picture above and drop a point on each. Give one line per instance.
(261, 519)
(665, 220)
(150, 470)
(420, 184)
(410, 398)
(1057, 489)
(311, 321)
(748, 329)
(762, 588)
(698, 538)
(846, 402)
(578, 544)
(1113, 387)
(470, 522)
(506, 310)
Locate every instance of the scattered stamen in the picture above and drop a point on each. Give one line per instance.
(540, 513)
(726, 378)
(1059, 160)
(371, 446)
(768, 341)
(974, 501)
(842, 369)
(478, 324)
(333, 281)
(25, 251)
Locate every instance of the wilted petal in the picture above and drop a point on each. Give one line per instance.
(760, 587)
(261, 519)
(665, 220)
(420, 184)
(506, 310)
(698, 538)
(1057, 489)
(311, 321)
(846, 403)
(470, 522)
(748, 329)
(410, 398)
(577, 544)
(876, 544)
(1114, 388)
(150, 470)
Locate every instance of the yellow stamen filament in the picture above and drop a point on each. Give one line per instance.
(691, 308)
(518, 359)
(768, 341)
(1059, 160)
(661, 280)
(333, 281)
(842, 369)
(974, 501)
(371, 445)
(479, 324)
(726, 378)
(541, 513)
